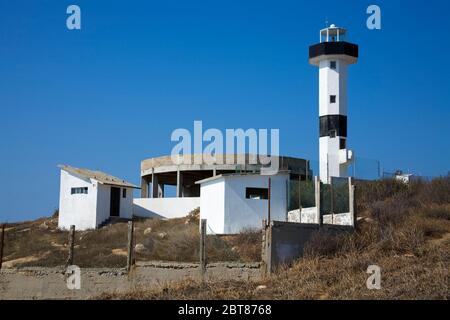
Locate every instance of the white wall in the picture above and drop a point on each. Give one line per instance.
(87, 211)
(77, 209)
(224, 203)
(212, 205)
(242, 213)
(126, 204)
(332, 82)
(104, 203)
(167, 208)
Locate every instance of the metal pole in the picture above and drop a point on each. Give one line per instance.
(130, 245)
(1, 245)
(299, 194)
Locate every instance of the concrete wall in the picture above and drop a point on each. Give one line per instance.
(212, 205)
(77, 209)
(340, 219)
(87, 211)
(308, 215)
(126, 204)
(103, 203)
(50, 283)
(226, 209)
(166, 208)
(285, 241)
(242, 213)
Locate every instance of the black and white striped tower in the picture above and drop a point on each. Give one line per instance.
(333, 55)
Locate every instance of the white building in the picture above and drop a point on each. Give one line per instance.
(234, 202)
(333, 55)
(89, 198)
(405, 177)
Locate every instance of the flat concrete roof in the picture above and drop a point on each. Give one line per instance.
(230, 175)
(165, 164)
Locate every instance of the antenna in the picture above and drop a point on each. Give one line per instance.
(326, 22)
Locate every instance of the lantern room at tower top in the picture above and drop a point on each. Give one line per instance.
(332, 34)
(333, 42)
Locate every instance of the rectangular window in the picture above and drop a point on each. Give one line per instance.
(83, 190)
(333, 65)
(342, 143)
(333, 133)
(124, 193)
(332, 99)
(257, 193)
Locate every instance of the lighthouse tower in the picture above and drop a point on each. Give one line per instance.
(333, 55)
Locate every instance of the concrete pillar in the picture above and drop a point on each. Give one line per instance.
(351, 202)
(319, 218)
(160, 190)
(144, 187)
(179, 184)
(154, 185)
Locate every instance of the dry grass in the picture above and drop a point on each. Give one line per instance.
(31, 244)
(405, 230)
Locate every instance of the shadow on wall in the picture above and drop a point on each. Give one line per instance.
(145, 213)
(164, 208)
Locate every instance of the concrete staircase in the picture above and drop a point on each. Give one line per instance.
(111, 221)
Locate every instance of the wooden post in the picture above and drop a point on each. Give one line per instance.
(268, 204)
(130, 247)
(203, 247)
(319, 218)
(71, 245)
(2, 242)
(263, 241)
(268, 254)
(351, 202)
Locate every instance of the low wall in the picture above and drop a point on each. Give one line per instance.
(165, 208)
(50, 283)
(286, 241)
(308, 215)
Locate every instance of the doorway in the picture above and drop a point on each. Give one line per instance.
(115, 202)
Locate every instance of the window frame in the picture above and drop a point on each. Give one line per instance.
(255, 193)
(333, 98)
(342, 143)
(79, 190)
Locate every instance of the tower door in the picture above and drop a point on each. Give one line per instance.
(115, 202)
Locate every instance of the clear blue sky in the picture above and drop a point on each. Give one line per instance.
(110, 95)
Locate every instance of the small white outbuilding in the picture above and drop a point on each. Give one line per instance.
(89, 198)
(234, 202)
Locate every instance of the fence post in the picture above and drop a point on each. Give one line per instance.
(268, 203)
(130, 247)
(263, 247)
(71, 245)
(2, 242)
(319, 218)
(203, 247)
(268, 254)
(351, 202)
